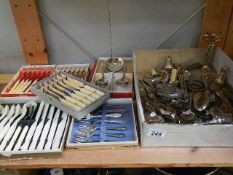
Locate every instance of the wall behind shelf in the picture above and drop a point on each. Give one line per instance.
(11, 55)
(135, 24)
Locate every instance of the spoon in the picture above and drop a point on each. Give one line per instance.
(219, 117)
(91, 134)
(201, 99)
(153, 117)
(124, 82)
(188, 116)
(167, 111)
(114, 64)
(102, 82)
(94, 128)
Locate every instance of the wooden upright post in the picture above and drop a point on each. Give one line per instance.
(29, 29)
(219, 19)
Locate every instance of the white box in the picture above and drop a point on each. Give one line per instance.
(43, 152)
(172, 135)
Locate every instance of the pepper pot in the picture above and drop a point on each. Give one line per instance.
(168, 64)
(222, 76)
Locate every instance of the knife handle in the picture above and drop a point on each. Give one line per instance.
(13, 140)
(69, 105)
(20, 140)
(74, 101)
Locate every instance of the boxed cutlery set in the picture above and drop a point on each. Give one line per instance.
(21, 83)
(81, 71)
(32, 127)
(70, 94)
(183, 96)
(111, 125)
(115, 75)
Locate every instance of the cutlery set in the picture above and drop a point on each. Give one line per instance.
(73, 95)
(114, 74)
(108, 123)
(25, 79)
(31, 127)
(80, 71)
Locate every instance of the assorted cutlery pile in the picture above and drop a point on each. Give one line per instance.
(31, 127)
(193, 94)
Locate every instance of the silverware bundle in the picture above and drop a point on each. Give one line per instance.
(31, 127)
(193, 94)
(80, 71)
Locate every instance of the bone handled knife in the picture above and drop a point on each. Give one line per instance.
(9, 115)
(46, 128)
(8, 124)
(60, 131)
(52, 130)
(32, 128)
(39, 128)
(5, 112)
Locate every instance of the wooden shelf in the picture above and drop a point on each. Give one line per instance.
(5, 78)
(135, 157)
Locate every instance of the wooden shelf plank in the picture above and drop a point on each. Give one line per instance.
(5, 78)
(139, 157)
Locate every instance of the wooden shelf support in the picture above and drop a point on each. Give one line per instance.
(219, 19)
(29, 29)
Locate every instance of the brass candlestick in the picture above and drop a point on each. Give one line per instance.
(211, 40)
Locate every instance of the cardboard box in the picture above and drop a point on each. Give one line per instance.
(171, 135)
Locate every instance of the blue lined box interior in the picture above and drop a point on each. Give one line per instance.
(127, 115)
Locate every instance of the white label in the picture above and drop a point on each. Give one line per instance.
(157, 133)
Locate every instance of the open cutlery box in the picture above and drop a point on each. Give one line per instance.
(184, 135)
(32, 128)
(70, 94)
(81, 71)
(25, 77)
(116, 91)
(112, 125)
(21, 83)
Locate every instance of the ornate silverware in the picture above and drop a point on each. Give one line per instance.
(114, 64)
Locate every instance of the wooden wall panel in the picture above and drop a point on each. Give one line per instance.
(216, 19)
(29, 29)
(228, 48)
